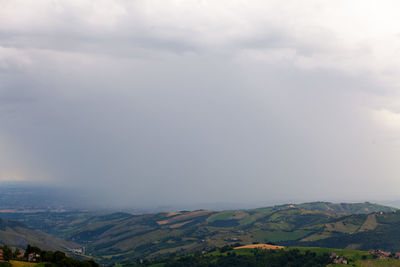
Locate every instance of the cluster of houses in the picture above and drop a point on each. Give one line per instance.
(378, 253)
(336, 259)
(77, 250)
(33, 257)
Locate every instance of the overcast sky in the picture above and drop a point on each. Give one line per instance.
(161, 102)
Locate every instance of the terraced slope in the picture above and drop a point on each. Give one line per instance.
(377, 231)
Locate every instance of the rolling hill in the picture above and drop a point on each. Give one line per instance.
(377, 231)
(17, 235)
(122, 236)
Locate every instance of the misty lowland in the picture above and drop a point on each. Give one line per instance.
(199, 133)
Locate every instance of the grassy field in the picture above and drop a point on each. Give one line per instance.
(342, 227)
(370, 223)
(274, 236)
(378, 263)
(259, 213)
(347, 253)
(25, 264)
(221, 216)
(371, 263)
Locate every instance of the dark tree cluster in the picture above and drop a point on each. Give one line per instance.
(55, 258)
(8, 254)
(49, 258)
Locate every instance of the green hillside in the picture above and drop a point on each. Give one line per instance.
(291, 256)
(121, 236)
(17, 235)
(378, 231)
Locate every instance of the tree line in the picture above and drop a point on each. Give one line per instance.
(49, 258)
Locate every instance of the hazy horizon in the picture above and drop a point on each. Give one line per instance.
(37, 196)
(146, 103)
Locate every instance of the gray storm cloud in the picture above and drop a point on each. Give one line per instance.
(163, 102)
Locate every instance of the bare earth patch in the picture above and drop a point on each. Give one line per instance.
(185, 216)
(169, 214)
(177, 225)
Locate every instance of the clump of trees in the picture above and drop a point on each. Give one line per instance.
(55, 258)
(8, 254)
(230, 247)
(49, 258)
